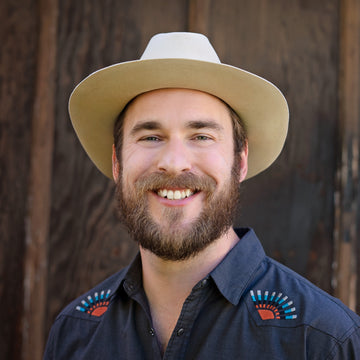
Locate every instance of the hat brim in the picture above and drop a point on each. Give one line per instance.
(97, 101)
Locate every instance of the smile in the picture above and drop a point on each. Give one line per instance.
(175, 194)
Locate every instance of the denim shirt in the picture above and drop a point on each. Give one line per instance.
(248, 307)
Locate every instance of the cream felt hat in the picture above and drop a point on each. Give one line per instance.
(178, 60)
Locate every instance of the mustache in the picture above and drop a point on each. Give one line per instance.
(157, 181)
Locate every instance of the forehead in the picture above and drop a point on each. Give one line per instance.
(176, 107)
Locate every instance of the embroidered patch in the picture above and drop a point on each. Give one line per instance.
(275, 306)
(96, 306)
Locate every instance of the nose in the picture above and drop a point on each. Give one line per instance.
(174, 157)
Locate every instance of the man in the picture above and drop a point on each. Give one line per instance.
(179, 131)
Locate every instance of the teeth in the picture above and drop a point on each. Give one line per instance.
(170, 195)
(175, 194)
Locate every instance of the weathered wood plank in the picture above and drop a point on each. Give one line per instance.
(346, 230)
(199, 16)
(39, 197)
(18, 37)
(291, 206)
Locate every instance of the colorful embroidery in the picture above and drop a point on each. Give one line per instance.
(97, 306)
(273, 306)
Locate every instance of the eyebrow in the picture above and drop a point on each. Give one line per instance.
(146, 125)
(194, 124)
(204, 124)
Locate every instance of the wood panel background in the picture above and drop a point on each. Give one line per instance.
(59, 231)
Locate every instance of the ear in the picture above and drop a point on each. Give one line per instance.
(115, 165)
(244, 163)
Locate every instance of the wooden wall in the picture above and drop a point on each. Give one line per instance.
(59, 231)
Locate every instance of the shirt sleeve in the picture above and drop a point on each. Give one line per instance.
(69, 338)
(49, 348)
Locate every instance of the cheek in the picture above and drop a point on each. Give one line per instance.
(217, 164)
(134, 163)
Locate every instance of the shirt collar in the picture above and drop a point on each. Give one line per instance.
(131, 274)
(130, 279)
(235, 273)
(231, 276)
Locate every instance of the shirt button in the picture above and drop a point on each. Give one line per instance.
(128, 286)
(151, 332)
(204, 283)
(180, 332)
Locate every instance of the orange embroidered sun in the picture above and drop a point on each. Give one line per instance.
(273, 306)
(96, 306)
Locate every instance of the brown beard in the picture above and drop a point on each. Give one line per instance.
(173, 242)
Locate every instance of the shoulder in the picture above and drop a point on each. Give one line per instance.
(95, 301)
(283, 298)
(78, 321)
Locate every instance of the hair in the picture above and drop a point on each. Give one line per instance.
(239, 130)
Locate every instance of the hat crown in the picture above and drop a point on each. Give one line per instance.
(180, 45)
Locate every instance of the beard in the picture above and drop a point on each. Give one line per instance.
(171, 239)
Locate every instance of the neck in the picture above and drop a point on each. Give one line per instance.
(167, 284)
(162, 275)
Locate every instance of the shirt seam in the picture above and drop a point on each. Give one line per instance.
(337, 344)
(346, 336)
(76, 317)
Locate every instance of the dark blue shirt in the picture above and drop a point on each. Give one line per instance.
(248, 307)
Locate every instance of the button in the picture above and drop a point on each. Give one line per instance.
(204, 282)
(128, 286)
(152, 332)
(180, 332)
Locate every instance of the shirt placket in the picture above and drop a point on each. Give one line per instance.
(180, 337)
(143, 320)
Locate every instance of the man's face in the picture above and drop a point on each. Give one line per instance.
(177, 184)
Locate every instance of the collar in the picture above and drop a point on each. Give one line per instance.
(236, 272)
(129, 280)
(232, 276)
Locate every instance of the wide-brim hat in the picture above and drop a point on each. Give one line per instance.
(179, 60)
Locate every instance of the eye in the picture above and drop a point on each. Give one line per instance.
(202, 137)
(150, 138)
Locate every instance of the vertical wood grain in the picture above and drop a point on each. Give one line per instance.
(199, 16)
(18, 37)
(86, 241)
(346, 228)
(73, 239)
(39, 198)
